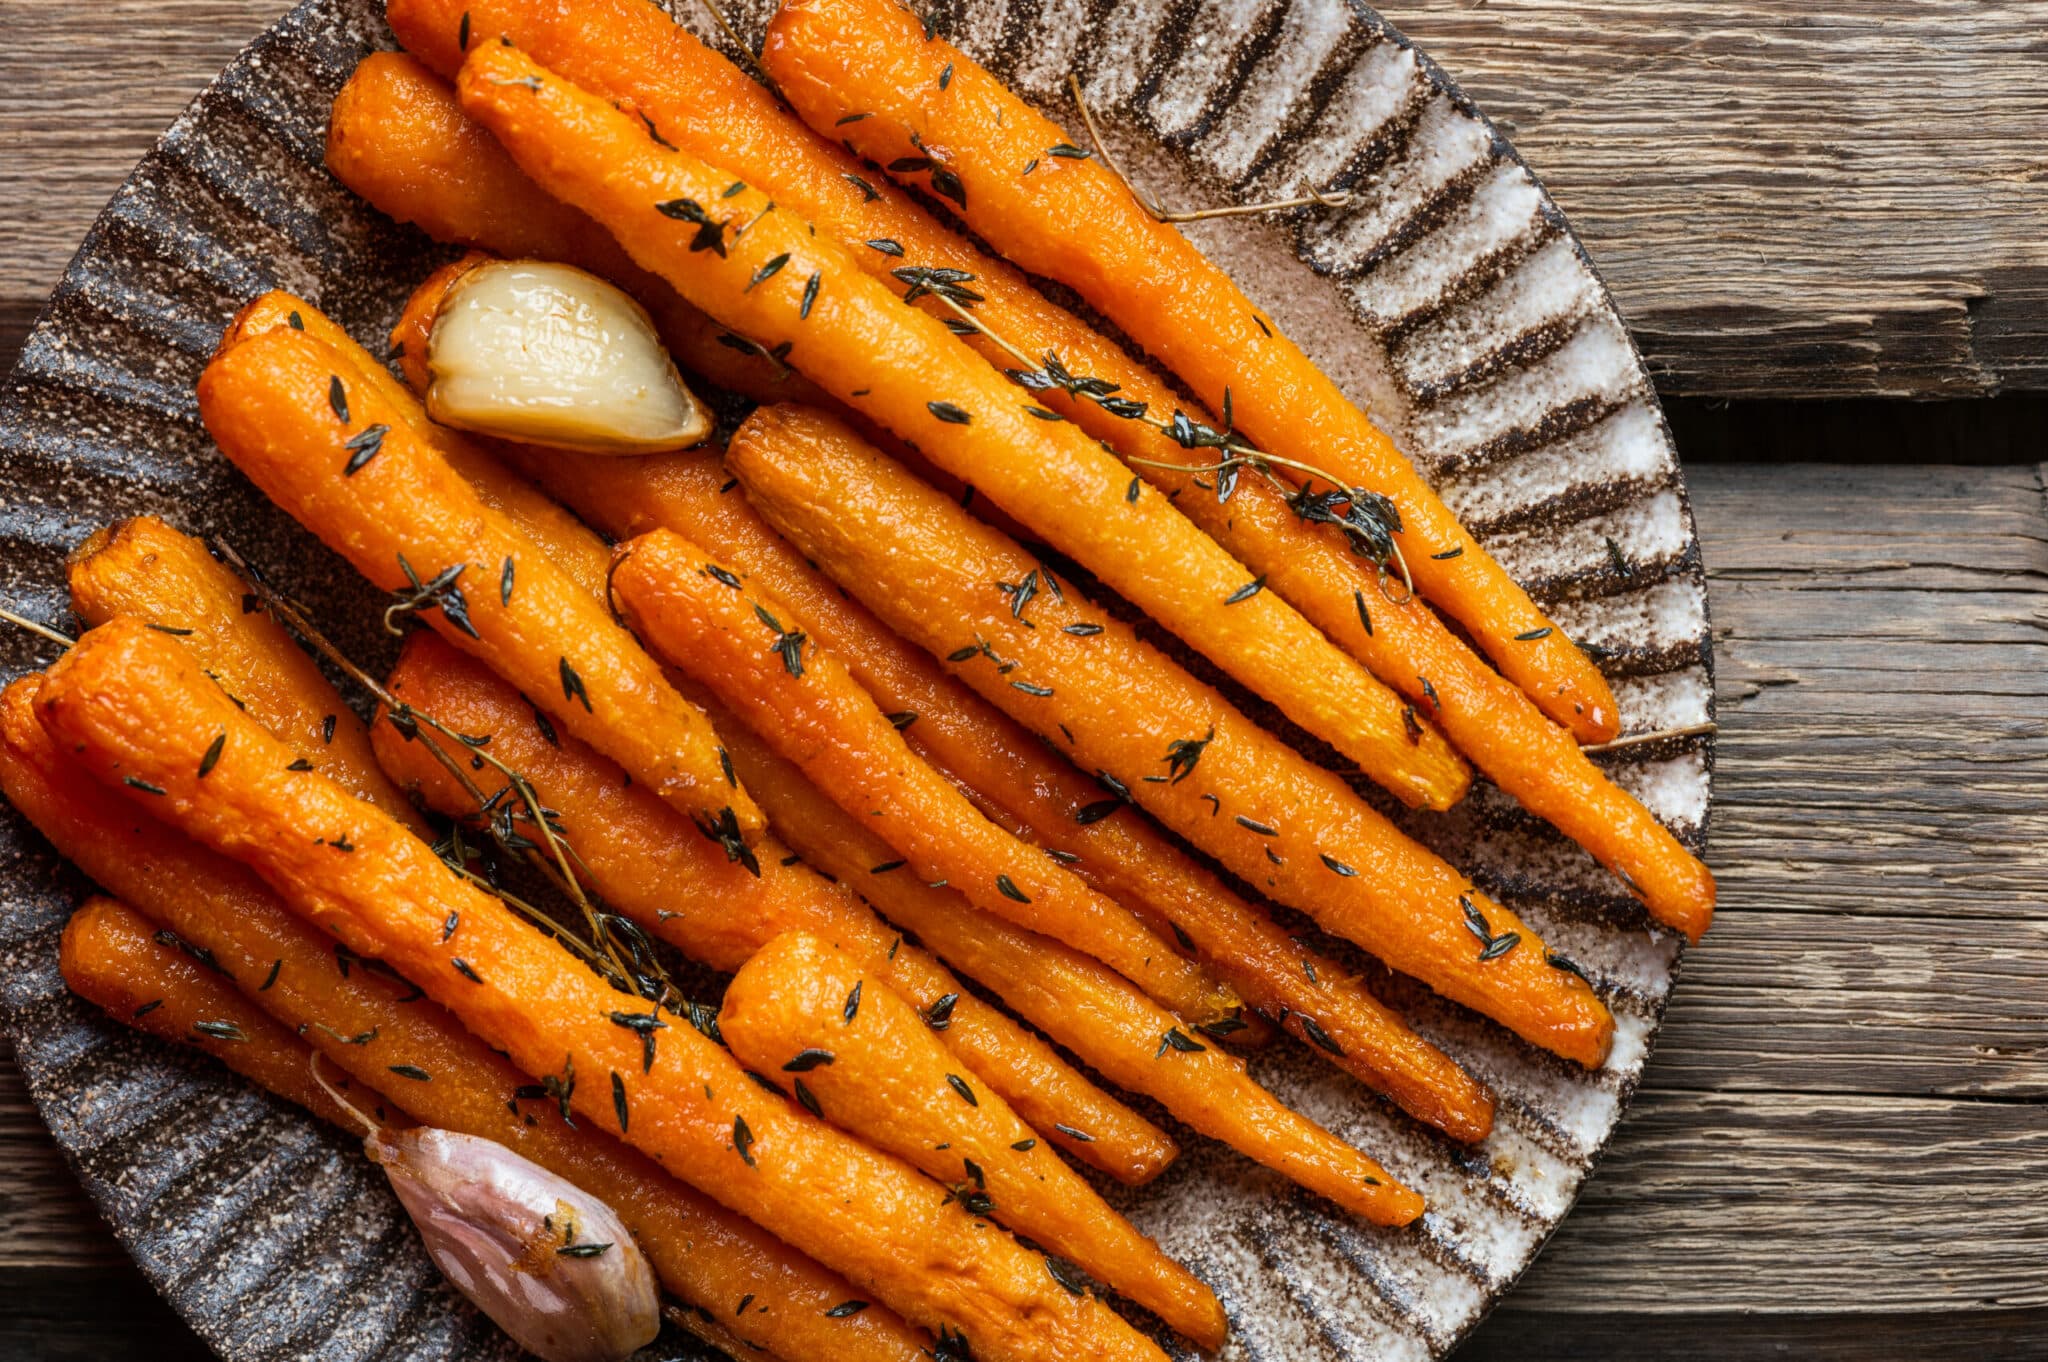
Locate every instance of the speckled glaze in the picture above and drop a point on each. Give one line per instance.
(1449, 294)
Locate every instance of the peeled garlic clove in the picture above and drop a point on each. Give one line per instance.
(550, 1264)
(550, 355)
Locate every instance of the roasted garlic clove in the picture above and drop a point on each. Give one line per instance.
(551, 1265)
(547, 354)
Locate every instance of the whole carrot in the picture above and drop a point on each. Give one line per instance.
(138, 710)
(664, 874)
(345, 463)
(675, 883)
(110, 956)
(397, 137)
(533, 512)
(373, 1025)
(866, 70)
(1085, 1006)
(765, 274)
(877, 1070)
(1177, 747)
(753, 652)
(650, 864)
(145, 568)
(1012, 776)
(708, 108)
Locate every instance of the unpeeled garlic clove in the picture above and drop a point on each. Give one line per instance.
(551, 355)
(551, 1265)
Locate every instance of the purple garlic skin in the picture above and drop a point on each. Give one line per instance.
(523, 1245)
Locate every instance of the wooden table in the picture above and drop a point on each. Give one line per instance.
(1842, 1143)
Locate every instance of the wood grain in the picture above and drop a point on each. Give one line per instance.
(1787, 197)
(1841, 1142)
(1797, 197)
(1845, 1128)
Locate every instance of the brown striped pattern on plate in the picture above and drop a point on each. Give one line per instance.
(1449, 294)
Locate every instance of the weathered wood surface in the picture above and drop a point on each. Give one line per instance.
(1845, 1128)
(1794, 197)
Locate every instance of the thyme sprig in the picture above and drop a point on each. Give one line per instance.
(1309, 197)
(442, 592)
(42, 631)
(1655, 735)
(1366, 518)
(615, 948)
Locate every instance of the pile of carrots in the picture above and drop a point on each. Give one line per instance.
(800, 710)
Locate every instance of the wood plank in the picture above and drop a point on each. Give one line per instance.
(1515, 1334)
(45, 1218)
(1796, 197)
(74, 1314)
(1847, 1110)
(1788, 1202)
(1789, 197)
(1883, 664)
(84, 91)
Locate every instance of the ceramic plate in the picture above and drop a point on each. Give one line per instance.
(1449, 294)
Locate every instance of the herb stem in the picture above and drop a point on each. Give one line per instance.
(1240, 454)
(1310, 196)
(603, 952)
(370, 1127)
(39, 630)
(1655, 735)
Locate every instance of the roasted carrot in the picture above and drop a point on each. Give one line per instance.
(753, 652)
(366, 1020)
(691, 97)
(1011, 774)
(145, 568)
(397, 137)
(710, 109)
(1180, 749)
(1402, 640)
(810, 1016)
(471, 456)
(903, 369)
(141, 718)
(1014, 779)
(110, 956)
(649, 863)
(865, 70)
(389, 502)
(674, 883)
(1083, 1005)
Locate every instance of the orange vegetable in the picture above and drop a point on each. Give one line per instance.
(111, 957)
(647, 862)
(397, 137)
(753, 652)
(814, 1019)
(1183, 752)
(925, 100)
(366, 1019)
(390, 503)
(661, 871)
(143, 567)
(1011, 776)
(1312, 570)
(585, 560)
(1083, 1005)
(774, 280)
(142, 717)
